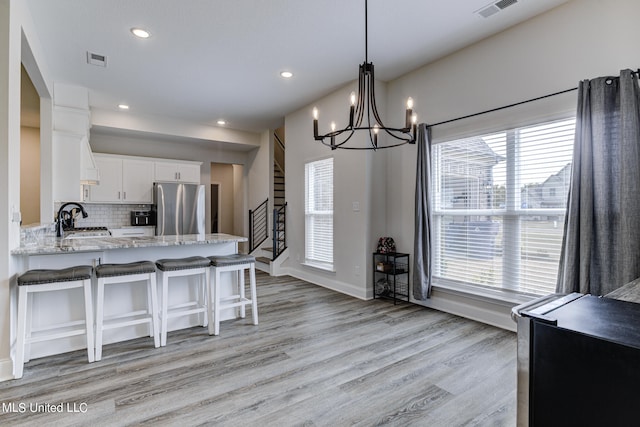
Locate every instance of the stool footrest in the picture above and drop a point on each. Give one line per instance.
(65, 325)
(139, 320)
(59, 335)
(125, 315)
(185, 312)
(224, 303)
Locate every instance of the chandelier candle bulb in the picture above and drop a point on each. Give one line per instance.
(414, 125)
(409, 114)
(315, 124)
(352, 109)
(375, 135)
(333, 137)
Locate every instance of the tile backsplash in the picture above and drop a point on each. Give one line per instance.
(107, 215)
(99, 215)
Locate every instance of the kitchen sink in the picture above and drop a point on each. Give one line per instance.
(87, 233)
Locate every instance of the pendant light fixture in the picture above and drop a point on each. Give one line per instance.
(364, 116)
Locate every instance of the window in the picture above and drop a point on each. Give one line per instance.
(499, 203)
(318, 211)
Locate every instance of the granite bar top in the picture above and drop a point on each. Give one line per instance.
(57, 245)
(629, 292)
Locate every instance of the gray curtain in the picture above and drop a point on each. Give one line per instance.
(601, 246)
(422, 239)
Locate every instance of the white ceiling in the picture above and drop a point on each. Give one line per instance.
(212, 59)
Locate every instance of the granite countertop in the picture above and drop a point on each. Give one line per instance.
(629, 292)
(56, 245)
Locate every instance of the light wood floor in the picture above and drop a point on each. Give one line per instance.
(318, 358)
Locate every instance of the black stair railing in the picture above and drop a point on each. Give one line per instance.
(258, 225)
(279, 231)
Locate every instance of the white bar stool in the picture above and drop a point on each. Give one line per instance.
(182, 267)
(34, 281)
(141, 271)
(237, 263)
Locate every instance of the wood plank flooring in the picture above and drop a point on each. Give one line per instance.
(318, 358)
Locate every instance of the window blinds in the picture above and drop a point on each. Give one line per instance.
(319, 213)
(499, 204)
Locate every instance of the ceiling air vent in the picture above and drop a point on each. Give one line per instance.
(96, 59)
(488, 11)
(495, 7)
(503, 4)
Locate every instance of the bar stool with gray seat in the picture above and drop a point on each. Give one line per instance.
(183, 267)
(238, 263)
(40, 281)
(133, 272)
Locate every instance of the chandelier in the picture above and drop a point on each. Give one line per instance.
(363, 108)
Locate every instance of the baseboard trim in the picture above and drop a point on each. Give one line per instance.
(6, 370)
(496, 314)
(334, 285)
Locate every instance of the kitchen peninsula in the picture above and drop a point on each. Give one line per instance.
(56, 252)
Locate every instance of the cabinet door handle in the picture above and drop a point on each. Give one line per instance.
(118, 195)
(124, 195)
(86, 193)
(179, 176)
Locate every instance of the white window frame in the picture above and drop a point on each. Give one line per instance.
(311, 248)
(511, 215)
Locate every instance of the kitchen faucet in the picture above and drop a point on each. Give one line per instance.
(67, 222)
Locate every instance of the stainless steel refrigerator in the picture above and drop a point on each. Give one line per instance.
(178, 208)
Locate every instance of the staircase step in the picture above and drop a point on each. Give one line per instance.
(263, 260)
(267, 249)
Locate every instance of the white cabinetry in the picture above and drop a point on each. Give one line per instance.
(122, 180)
(72, 164)
(177, 172)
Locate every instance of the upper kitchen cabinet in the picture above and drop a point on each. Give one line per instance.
(72, 160)
(122, 180)
(73, 165)
(177, 172)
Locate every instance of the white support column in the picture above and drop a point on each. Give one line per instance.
(10, 48)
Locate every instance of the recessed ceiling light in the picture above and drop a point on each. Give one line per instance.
(123, 106)
(139, 32)
(286, 74)
(221, 122)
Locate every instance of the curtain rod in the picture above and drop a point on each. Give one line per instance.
(637, 73)
(503, 107)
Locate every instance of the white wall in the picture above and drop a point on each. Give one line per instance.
(258, 169)
(580, 40)
(358, 178)
(172, 127)
(17, 42)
